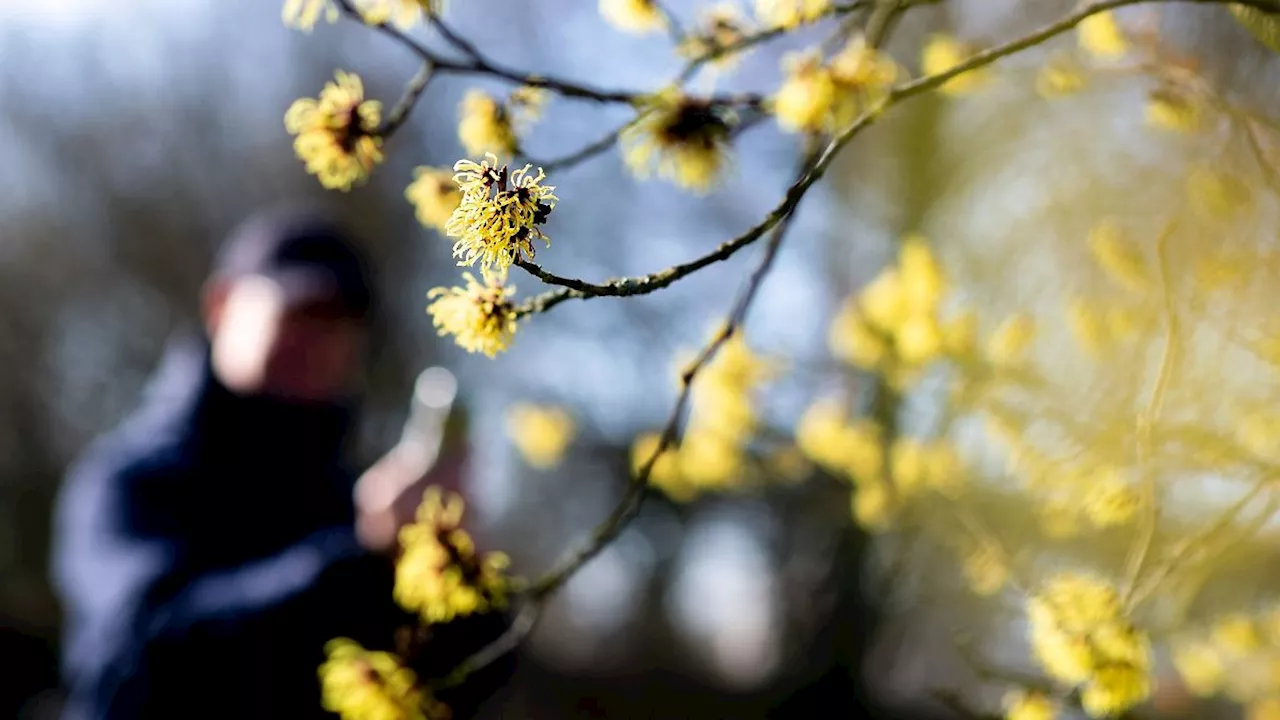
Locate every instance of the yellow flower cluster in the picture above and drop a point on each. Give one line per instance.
(403, 14)
(1100, 36)
(1081, 637)
(484, 126)
(439, 575)
(500, 213)
(685, 139)
(487, 126)
(1025, 705)
(1238, 656)
(790, 13)
(892, 325)
(721, 26)
(360, 684)
(943, 52)
(818, 97)
(985, 570)
(304, 14)
(337, 133)
(540, 434)
(634, 16)
(434, 196)
(1061, 76)
(480, 317)
(712, 455)
(854, 449)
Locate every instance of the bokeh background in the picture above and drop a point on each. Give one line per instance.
(136, 135)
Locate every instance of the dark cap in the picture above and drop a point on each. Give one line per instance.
(306, 252)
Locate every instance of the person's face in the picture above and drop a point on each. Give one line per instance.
(305, 352)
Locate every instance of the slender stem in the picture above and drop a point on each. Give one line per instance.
(1146, 537)
(454, 38)
(571, 289)
(633, 496)
(400, 112)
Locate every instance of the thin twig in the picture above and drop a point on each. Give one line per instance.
(633, 496)
(581, 154)
(571, 289)
(400, 112)
(757, 38)
(1148, 418)
(455, 39)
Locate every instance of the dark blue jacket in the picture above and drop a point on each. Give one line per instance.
(204, 552)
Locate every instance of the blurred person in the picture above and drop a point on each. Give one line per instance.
(208, 547)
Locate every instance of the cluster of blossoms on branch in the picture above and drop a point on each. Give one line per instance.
(441, 577)
(1098, 474)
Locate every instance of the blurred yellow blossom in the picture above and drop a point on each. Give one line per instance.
(500, 214)
(1059, 77)
(709, 461)
(1100, 36)
(960, 334)
(1236, 634)
(633, 16)
(851, 339)
(403, 14)
(806, 99)
(1080, 636)
(1219, 272)
(1258, 432)
(820, 433)
(1118, 256)
(1087, 326)
(1059, 518)
(541, 434)
(985, 570)
(337, 132)
(1267, 708)
(943, 52)
(484, 126)
(923, 282)
(918, 340)
(434, 196)
(864, 70)
(1171, 109)
(665, 472)
(360, 684)
(944, 470)
(721, 27)
(1009, 343)
(1029, 705)
(790, 13)
(873, 506)
(826, 435)
(526, 103)
(1217, 194)
(439, 574)
(1113, 690)
(907, 465)
(1110, 500)
(304, 14)
(480, 317)
(883, 301)
(1200, 667)
(685, 139)
(722, 392)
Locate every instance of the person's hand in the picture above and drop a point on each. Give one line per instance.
(389, 492)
